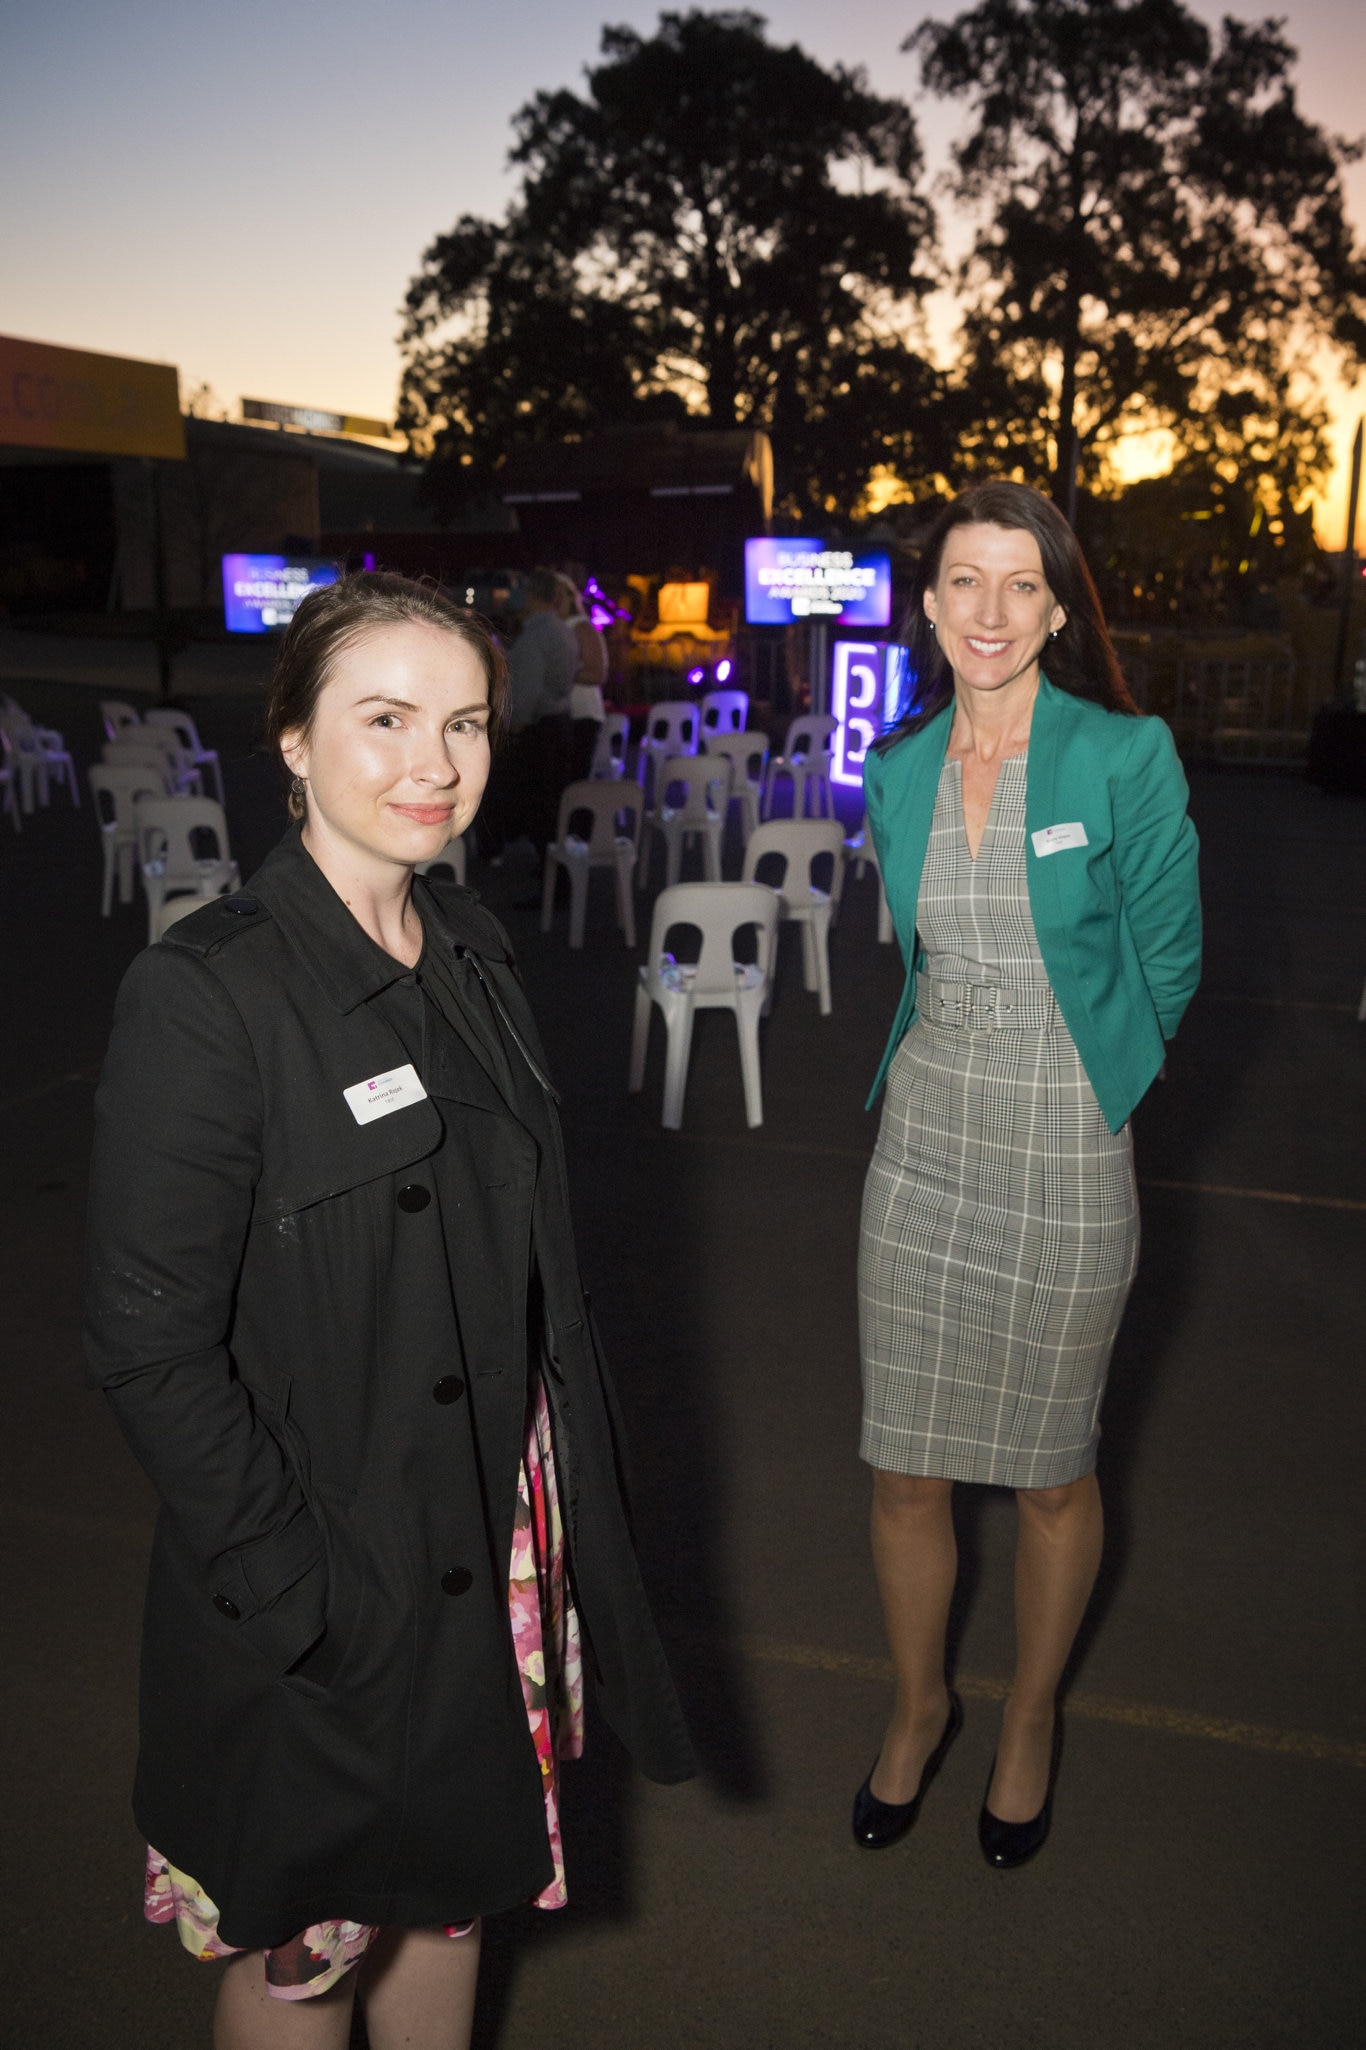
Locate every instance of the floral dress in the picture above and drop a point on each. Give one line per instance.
(545, 1636)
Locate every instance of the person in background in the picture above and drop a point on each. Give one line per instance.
(542, 665)
(334, 1302)
(1040, 866)
(587, 708)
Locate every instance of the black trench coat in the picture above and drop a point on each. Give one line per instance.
(314, 1334)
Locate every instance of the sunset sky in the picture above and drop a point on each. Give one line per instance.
(245, 192)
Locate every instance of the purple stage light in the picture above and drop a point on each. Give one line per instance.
(697, 676)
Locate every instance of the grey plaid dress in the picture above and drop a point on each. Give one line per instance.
(1000, 1217)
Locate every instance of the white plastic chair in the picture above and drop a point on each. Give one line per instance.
(692, 793)
(606, 807)
(716, 981)
(860, 849)
(57, 762)
(452, 856)
(187, 735)
(182, 777)
(172, 910)
(799, 844)
(747, 754)
(672, 729)
(167, 828)
(115, 793)
(39, 756)
(133, 754)
(805, 760)
(609, 749)
(117, 717)
(724, 711)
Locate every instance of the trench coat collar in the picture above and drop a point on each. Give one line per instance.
(341, 957)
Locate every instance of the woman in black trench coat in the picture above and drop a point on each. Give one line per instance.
(334, 1301)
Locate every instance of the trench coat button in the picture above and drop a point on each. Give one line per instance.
(457, 1580)
(226, 1606)
(449, 1388)
(414, 1197)
(245, 907)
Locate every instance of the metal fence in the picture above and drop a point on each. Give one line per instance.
(1250, 702)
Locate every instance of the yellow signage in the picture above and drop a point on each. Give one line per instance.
(87, 404)
(314, 420)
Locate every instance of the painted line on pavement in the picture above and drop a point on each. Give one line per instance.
(1219, 996)
(1101, 1708)
(47, 1088)
(748, 1145)
(1253, 1195)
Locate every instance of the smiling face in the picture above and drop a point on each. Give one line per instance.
(991, 606)
(397, 754)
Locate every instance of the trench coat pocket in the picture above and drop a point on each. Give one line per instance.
(279, 1588)
(324, 1661)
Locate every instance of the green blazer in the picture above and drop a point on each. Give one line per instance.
(1117, 916)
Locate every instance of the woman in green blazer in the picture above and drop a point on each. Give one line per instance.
(1040, 867)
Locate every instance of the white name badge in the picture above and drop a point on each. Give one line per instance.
(367, 1101)
(1052, 839)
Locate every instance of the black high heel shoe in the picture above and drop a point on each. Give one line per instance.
(880, 1823)
(1008, 1844)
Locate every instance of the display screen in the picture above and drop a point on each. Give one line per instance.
(262, 593)
(869, 689)
(802, 579)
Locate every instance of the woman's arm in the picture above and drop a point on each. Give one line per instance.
(592, 648)
(177, 1153)
(1157, 863)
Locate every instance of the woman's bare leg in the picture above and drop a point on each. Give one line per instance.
(915, 1556)
(417, 1987)
(1057, 1556)
(248, 2018)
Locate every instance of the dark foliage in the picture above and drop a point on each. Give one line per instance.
(717, 229)
(1162, 237)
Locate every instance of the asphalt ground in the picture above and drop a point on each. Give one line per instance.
(1202, 1885)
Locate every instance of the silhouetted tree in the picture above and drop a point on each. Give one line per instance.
(1162, 236)
(718, 229)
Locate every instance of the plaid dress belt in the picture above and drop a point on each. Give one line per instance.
(985, 1007)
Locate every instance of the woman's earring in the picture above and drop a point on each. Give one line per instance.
(931, 626)
(298, 786)
(1054, 635)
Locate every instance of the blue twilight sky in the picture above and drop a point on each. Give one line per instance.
(245, 191)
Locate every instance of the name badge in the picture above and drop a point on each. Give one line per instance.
(1052, 839)
(367, 1101)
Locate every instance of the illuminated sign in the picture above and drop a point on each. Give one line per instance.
(314, 420)
(867, 684)
(802, 579)
(90, 405)
(262, 593)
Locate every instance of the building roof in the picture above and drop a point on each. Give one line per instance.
(661, 459)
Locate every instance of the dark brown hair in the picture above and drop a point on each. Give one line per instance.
(340, 614)
(1081, 660)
